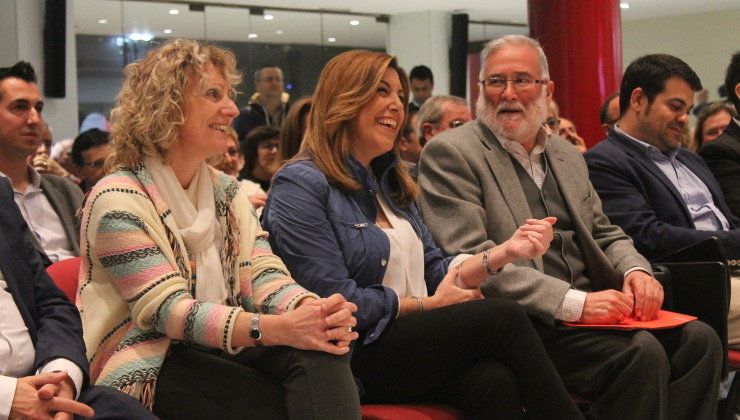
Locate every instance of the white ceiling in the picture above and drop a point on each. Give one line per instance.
(234, 24)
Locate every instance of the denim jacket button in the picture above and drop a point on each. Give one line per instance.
(383, 262)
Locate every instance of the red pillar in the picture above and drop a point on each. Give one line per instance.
(583, 43)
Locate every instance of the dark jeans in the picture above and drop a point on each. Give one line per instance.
(661, 374)
(111, 404)
(482, 356)
(258, 383)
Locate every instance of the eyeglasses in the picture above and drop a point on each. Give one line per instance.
(97, 164)
(521, 83)
(456, 123)
(269, 146)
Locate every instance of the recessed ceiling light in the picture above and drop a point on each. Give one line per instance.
(624, 5)
(252, 36)
(269, 17)
(331, 39)
(167, 31)
(174, 11)
(102, 20)
(140, 37)
(279, 32)
(354, 22)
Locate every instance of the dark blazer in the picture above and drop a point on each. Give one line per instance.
(52, 321)
(66, 198)
(723, 157)
(637, 196)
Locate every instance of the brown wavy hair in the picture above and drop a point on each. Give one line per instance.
(346, 84)
(149, 108)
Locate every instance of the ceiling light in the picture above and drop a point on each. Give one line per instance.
(624, 5)
(140, 37)
(354, 22)
(269, 17)
(252, 36)
(279, 32)
(174, 11)
(331, 39)
(167, 31)
(102, 20)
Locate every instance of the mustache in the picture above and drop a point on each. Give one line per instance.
(510, 106)
(678, 125)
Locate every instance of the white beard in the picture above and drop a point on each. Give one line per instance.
(534, 116)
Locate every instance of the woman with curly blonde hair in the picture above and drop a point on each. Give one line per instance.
(183, 304)
(426, 334)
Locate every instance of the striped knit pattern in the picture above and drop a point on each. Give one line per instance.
(135, 289)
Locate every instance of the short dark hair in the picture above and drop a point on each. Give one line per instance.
(650, 73)
(86, 140)
(421, 73)
(22, 70)
(732, 78)
(604, 110)
(256, 136)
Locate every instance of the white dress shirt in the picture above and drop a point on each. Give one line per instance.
(43, 221)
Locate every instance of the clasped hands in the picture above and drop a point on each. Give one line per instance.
(641, 298)
(320, 324)
(47, 396)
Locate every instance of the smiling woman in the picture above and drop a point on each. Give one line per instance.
(179, 286)
(426, 334)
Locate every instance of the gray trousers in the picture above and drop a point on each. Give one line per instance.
(275, 382)
(660, 374)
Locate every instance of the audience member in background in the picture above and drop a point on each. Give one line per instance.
(422, 85)
(567, 130)
(291, 134)
(553, 117)
(409, 145)
(231, 163)
(89, 152)
(609, 112)
(482, 181)
(268, 106)
(48, 203)
(44, 367)
(712, 122)
(226, 345)
(662, 195)
(723, 154)
(42, 161)
(441, 113)
(61, 152)
(343, 217)
(261, 156)
(44, 150)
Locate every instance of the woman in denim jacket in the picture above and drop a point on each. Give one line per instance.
(341, 216)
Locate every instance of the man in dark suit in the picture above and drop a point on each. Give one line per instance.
(723, 154)
(662, 195)
(48, 203)
(483, 180)
(43, 358)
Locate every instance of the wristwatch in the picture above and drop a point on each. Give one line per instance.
(254, 332)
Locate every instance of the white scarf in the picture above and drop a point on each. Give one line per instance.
(194, 211)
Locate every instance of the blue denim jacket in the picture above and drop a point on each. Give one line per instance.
(329, 241)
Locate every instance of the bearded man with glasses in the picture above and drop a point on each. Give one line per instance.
(482, 181)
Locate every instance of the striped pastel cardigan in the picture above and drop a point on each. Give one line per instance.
(136, 288)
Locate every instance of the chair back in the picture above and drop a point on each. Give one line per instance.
(65, 274)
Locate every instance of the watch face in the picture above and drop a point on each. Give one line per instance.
(255, 334)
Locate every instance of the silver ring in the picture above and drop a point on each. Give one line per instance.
(349, 329)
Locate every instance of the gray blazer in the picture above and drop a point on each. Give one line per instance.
(471, 200)
(66, 198)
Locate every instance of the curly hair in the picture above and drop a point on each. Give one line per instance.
(149, 108)
(346, 84)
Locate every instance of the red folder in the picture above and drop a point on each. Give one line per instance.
(665, 319)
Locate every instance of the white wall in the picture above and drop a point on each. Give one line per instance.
(22, 39)
(705, 41)
(423, 38)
